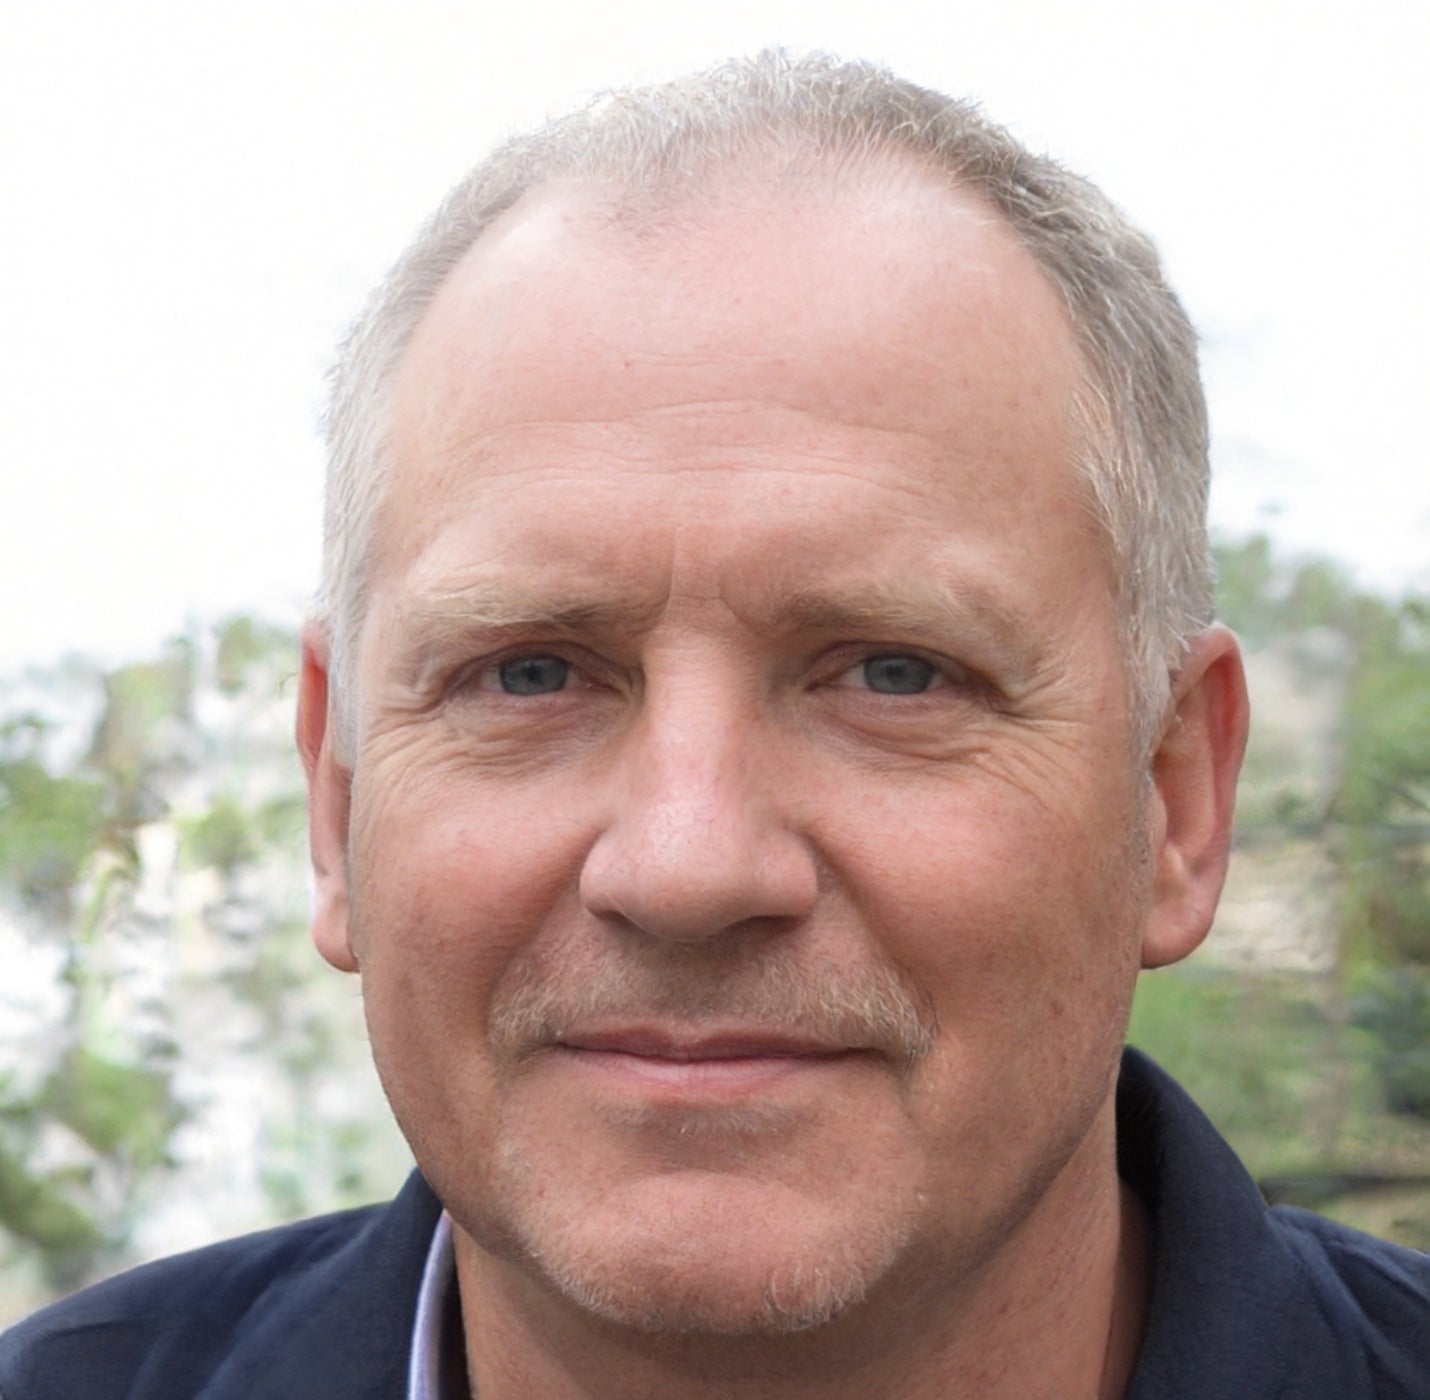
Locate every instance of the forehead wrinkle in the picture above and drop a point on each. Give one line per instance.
(489, 449)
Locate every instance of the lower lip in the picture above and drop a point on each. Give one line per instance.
(735, 1074)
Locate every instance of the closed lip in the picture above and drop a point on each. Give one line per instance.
(653, 1043)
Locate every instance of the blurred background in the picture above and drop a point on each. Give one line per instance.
(198, 199)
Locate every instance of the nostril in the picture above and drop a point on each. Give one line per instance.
(698, 890)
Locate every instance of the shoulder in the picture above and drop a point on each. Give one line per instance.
(171, 1316)
(322, 1307)
(1371, 1294)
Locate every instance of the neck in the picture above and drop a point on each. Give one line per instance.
(1057, 1313)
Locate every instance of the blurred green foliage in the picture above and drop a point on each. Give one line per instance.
(37, 1209)
(49, 825)
(1376, 821)
(120, 1110)
(223, 837)
(1393, 1008)
(1253, 1052)
(88, 1111)
(246, 644)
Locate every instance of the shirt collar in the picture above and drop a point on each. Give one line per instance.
(424, 1365)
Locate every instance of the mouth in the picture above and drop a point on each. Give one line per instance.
(726, 1063)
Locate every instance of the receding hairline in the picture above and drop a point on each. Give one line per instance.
(631, 224)
(638, 214)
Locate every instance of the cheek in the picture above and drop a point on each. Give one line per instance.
(446, 896)
(447, 890)
(1021, 931)
(1004, 908)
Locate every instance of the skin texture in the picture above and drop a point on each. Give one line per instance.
(751, 988)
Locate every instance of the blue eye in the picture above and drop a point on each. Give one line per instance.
(898, 675)
(533, 675)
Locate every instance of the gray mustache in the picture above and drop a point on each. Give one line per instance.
(547, 999)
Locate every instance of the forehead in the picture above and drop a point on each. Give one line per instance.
(878, 316)
(761, 271)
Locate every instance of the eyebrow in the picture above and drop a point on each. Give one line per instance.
(502, 607)
(431, 627)
(899, 607)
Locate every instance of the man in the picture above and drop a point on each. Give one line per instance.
(765, 709)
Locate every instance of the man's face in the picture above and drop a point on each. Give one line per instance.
(746, 862)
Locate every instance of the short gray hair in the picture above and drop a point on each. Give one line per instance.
(1141, 410)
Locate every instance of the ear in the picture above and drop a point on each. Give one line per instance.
(329, 794)
(1194, 772)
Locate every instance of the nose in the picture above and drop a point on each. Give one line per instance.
(699, 839)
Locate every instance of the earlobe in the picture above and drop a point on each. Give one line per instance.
(1194, 773)
(329, 792)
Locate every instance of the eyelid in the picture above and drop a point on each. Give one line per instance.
(586, 669)
(852, 658)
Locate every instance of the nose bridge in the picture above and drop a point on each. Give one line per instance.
(698, 837)
(692, 768)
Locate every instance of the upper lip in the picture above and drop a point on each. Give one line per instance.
(690, 1044)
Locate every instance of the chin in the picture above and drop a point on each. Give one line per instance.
(704, 1254)
(648, 1298)
(753, 1297)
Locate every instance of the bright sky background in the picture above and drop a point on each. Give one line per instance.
(197, 197)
